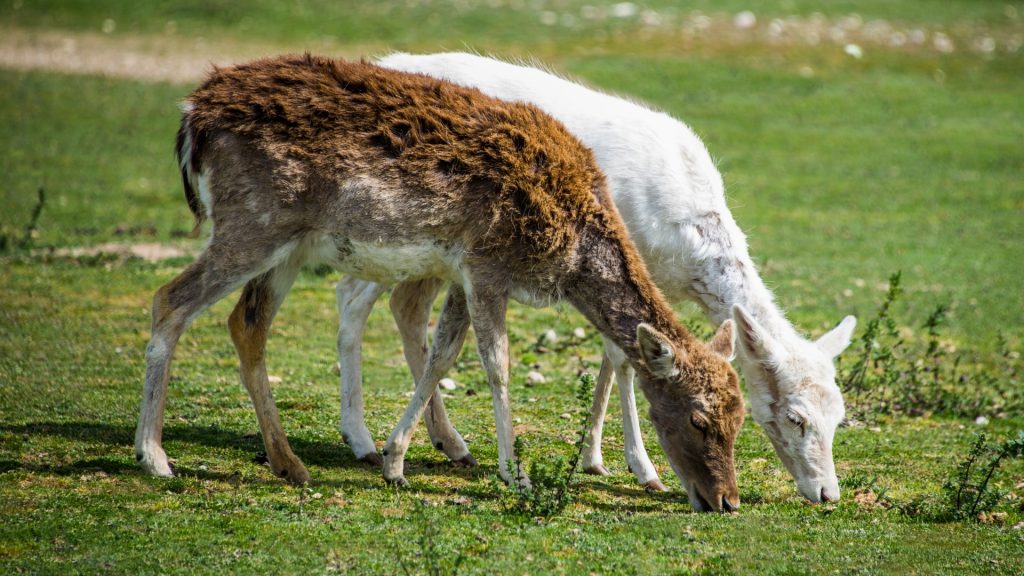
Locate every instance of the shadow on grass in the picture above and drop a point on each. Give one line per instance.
(121, 439)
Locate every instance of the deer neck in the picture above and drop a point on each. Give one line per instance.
(613, 290)
(739, 283)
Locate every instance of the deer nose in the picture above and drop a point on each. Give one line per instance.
(827, 496)
(728, 506)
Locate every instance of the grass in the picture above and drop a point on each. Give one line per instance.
(898, 161)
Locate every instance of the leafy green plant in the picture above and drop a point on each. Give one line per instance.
(893, 376)
(551, 478)
(969, 492)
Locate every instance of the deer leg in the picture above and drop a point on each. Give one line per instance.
(592, 461)
(410, 305)
(249, 324)
(355, 301)
(487, 308)
(211, 277)
(637, 460)
(448, 339)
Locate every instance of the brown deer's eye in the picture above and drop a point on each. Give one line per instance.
(699, 423)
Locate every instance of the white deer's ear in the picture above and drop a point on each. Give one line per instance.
(754, 339)
(723, 342)
(838, 339)
(656, 351)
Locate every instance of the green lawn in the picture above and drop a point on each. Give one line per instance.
(840, 170)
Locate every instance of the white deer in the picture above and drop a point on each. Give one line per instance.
(391, 177)
(672, 199)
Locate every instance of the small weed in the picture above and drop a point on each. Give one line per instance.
(552, 477)
(7, 240)
(428, 558)
(970, 492)
(893, 376)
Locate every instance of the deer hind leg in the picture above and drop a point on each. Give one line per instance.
(249, 324)
(211, 277)
(410, 305)
(448, 339)
(355, 301)
(592, 460)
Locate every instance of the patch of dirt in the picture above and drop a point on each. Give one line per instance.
(149, 251)
(155, 58)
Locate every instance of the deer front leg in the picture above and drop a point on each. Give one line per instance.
(637, 460)
(355, 301)
(592, 460)
(249, 324)
(448, 339)
(410, 305)
(487, 307)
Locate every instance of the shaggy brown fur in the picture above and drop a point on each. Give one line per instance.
(363, 155)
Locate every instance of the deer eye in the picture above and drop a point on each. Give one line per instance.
(699, 423)
(796, 420)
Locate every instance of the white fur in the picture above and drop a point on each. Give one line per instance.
(672, 199)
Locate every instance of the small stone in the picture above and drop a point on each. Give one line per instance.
(744, 20)
(274, 379)
(854, 50)
(316, 496)
(981, 421)
(579, 333)
(531, 399)
(203, 467)
(565, 416)
(447, 383)
(336, 368)
(992, 517)
(875, 429)
(533, 378)
(549, 337)
(1018, 525)
(623, 10)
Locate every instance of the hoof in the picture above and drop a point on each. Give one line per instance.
(297, 475)
(400, 482)
(597, 470)
(655, 486)
(466, 461)
(373, 459)
(160, 468)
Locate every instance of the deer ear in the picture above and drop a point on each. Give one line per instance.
(754, 339)
(837, 339)
(656, 351)
(723, 342)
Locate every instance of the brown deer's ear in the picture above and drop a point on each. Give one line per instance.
(656, 351)
(723, 342)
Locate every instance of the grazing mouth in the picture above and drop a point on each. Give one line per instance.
(700, 504)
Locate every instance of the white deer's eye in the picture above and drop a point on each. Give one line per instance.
(795, 418)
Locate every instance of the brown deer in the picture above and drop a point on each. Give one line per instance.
(388, 177)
